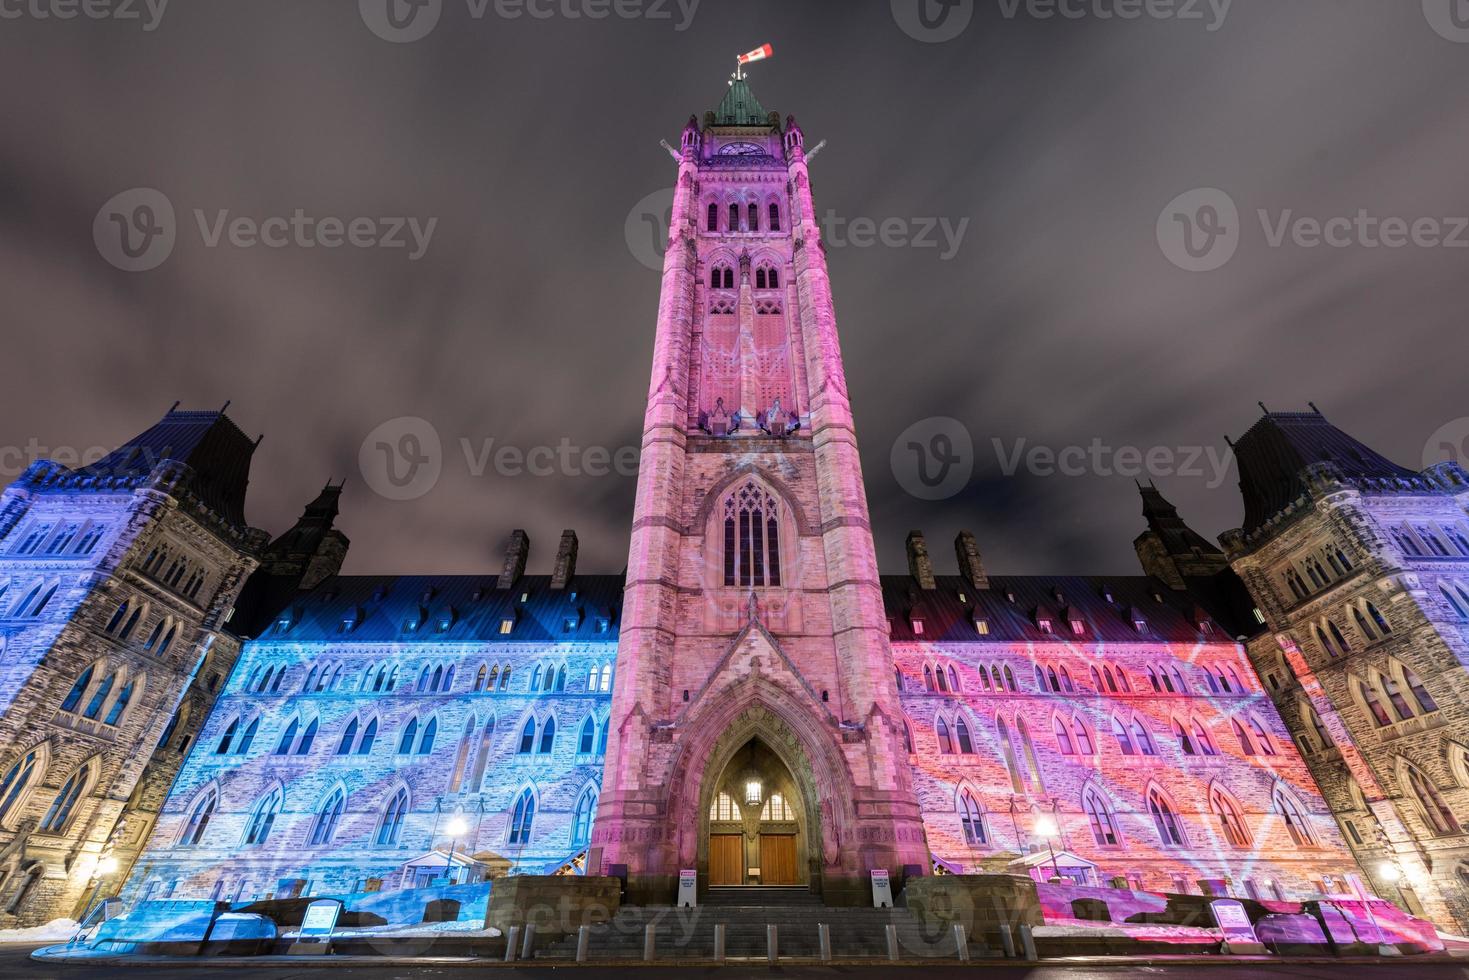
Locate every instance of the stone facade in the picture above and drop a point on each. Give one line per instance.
(1361, 570)
(115, 582)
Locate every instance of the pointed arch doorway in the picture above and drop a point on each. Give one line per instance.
(756, 826)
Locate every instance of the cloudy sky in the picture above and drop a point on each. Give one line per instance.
(1051, 316)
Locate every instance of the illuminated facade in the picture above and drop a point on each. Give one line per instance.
(751, 698)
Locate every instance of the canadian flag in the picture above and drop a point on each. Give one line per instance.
(759, 54)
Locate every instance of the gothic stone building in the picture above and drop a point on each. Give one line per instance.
(1361, 570)
(751, 698)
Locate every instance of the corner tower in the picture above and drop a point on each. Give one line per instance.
(756, 730)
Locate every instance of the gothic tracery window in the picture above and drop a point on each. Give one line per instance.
(751, 537)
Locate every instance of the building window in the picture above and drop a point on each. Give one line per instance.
(1170, 830)
(1104, 825)
(1231, 823)
(1440, 819)
(775, 226)
(523, 818)
(548, 737)
(971, 818)
(199, 818)
(946, 744)
(962, 740)
(390, 826)
(751, 537)
(724, 808)
(713, 218)
(527, 738)
(263, 818)
(581, 824)
(777, 809)
(1119, 731)
(1295, 821)
(16, 781)
(327, 819)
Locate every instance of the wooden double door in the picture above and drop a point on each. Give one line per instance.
(777, 859)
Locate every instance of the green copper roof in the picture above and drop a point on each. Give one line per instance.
(740, 107)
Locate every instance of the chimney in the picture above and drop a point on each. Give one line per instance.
(516, 554)
(919, 565)
(971, 565)
(565, 560)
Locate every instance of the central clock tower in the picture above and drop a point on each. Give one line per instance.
(753, 659)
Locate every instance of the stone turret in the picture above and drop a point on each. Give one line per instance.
(517, 553)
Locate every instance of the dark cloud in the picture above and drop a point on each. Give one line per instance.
(1058, 321)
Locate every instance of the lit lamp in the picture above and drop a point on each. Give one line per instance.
(753, 791)
(106, 866)
(457, 827)
(1389, 872)
(1045, 827)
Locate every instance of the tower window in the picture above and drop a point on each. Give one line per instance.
(751, 537)
(754, 216)
(713, 217)
(734, 217)
(775, 226)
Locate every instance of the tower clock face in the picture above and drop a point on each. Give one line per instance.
(741, 150)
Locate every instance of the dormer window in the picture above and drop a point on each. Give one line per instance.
(445, 621)
(283, 624)
(1078, 627)
(604, 623)
(1009, 596)
(1205, 626)
(917, 623)
(351, 619)
(1044, 625)
(506, 625)
(963, 598)
(525, 597)
(982, 627)
(1141, 625)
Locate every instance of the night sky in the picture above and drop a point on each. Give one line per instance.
(1055, 143)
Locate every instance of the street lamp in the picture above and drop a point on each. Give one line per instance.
(105, 867)
(1045, 827)
(456, 826)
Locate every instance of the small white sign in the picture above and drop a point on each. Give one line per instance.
(1233, 920)
(882, 889)
(688, 888)
(320, 919)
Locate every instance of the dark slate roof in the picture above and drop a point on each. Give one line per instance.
(946, 618)
(383, 604)
(211, 445)
(739, 107)
(1274, 452)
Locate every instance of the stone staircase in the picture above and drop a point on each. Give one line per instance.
(688, 934)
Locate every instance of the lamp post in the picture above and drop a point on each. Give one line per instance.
(456, 826)
(1045, 827)
(105, 867)
(1390, 873)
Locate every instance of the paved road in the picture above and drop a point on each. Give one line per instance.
(15, 964)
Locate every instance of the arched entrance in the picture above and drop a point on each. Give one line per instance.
(756, 825)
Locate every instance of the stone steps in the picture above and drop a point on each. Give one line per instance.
(689, 933)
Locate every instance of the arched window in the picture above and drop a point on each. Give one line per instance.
(1440, 819)
(1262, 737)
(548, 737)
(1231, 822)
(523, 818)
(409, 736)
(1295, 822)
(122, 611)
(1165, 819)
(1007, 749)
(482, 756)
(1336, 635)
(1377, 618)
(1104, 825)
(426, 740)
(349, 738)
(1083, 737)
(943, 681)
(1202, 739)
(581, 822)
(1420, 693)
(1010, 680)
(754, 216)
(1462, 612)
(132, 622)
(971, 818)
(1368, 694)
(1119, 732)
(199, 818)
(74, 697)
(712, 222)
(99, 696)
(16, 781)
(1246, 746)
(1142, 737)
(946, 744)
(928, 684)
(288, 738)
(1063, 737)
(262, 818)
(734, 217)
(462, 755)
(775, 226)
(587, 740)
(776, 808)
(390, 824)
(527, 738)
(120, 703)
(751, 537)
(560, 678)
(1185, 741)
(961, 736)
(327, 818)
(1030, 758)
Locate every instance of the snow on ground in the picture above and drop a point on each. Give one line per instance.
(461, 928)
(57, 930)
(1136, 931)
